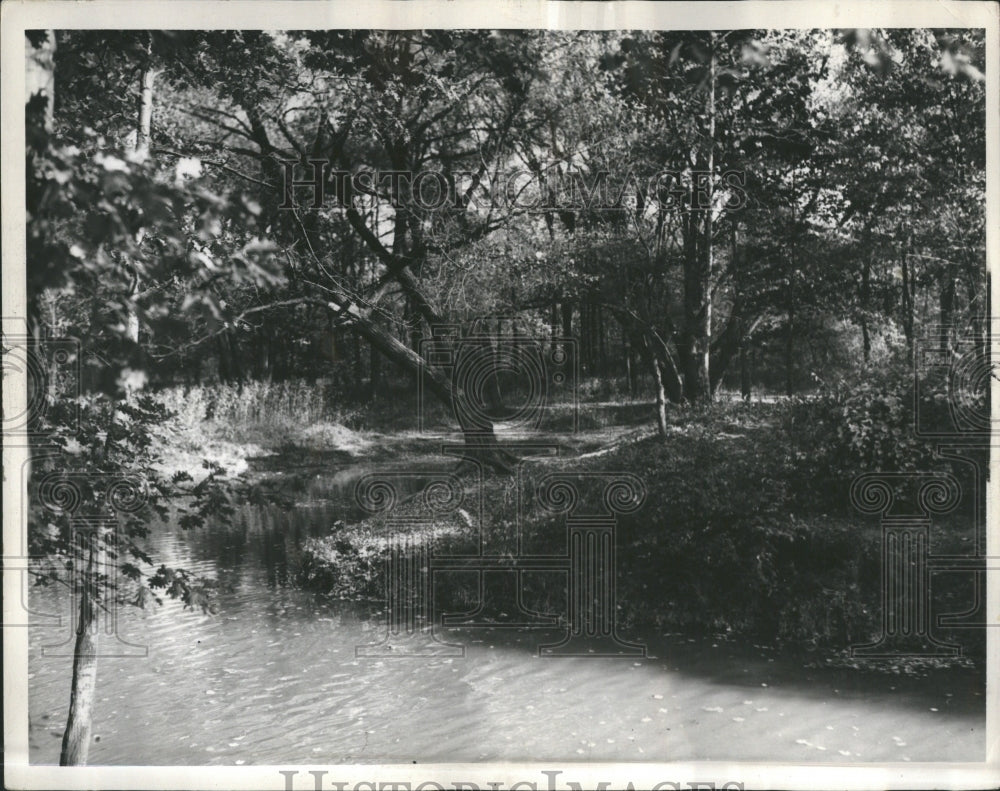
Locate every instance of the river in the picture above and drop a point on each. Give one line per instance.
(273, 678)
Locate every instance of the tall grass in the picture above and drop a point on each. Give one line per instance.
(265, 412)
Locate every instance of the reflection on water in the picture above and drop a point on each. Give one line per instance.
(273, 678)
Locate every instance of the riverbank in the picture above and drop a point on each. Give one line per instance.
(222, 687)
(728, 542)
(232, 425)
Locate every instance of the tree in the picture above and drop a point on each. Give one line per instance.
(910, 129)
(94, 467)
(394, 108)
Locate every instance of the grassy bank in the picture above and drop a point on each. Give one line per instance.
(229, 425)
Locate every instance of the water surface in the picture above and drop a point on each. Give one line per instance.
(273, 679)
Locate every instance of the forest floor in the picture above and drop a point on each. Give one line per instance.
(211, 424)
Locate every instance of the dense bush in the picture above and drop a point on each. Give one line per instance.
(863, 424)
(350, 566)
(718, 547)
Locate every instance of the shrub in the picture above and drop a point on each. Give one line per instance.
(850, 427)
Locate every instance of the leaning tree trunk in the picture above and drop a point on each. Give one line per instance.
(76, 737)
(666, 382)
(480, 440)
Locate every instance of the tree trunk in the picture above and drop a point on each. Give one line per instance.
(661, 397)
(866, 338)
(375, 372)
(630, 372)
(495, 393)
(906, 303)
(705, 328)
(142, 133)
(602, 350)
(659, 386)
(947, 307)
(76, 737)
(356, 356)
(698, 266)
(746, 382)
(480, 440)
(790, 343)
(697, 330)
(223, 366)
(144, 128)
(730, 343)
(567, 330)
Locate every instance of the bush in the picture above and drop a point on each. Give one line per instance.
(865, 424)
(351, 566)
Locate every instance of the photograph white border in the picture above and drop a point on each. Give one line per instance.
(16, 16)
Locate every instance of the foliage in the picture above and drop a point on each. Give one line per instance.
(99, 444)
(864, 423)
(345, 567)
(859, 221)
(254, 411)
(839, 136)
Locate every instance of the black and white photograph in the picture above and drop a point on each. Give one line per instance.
(520, 388)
